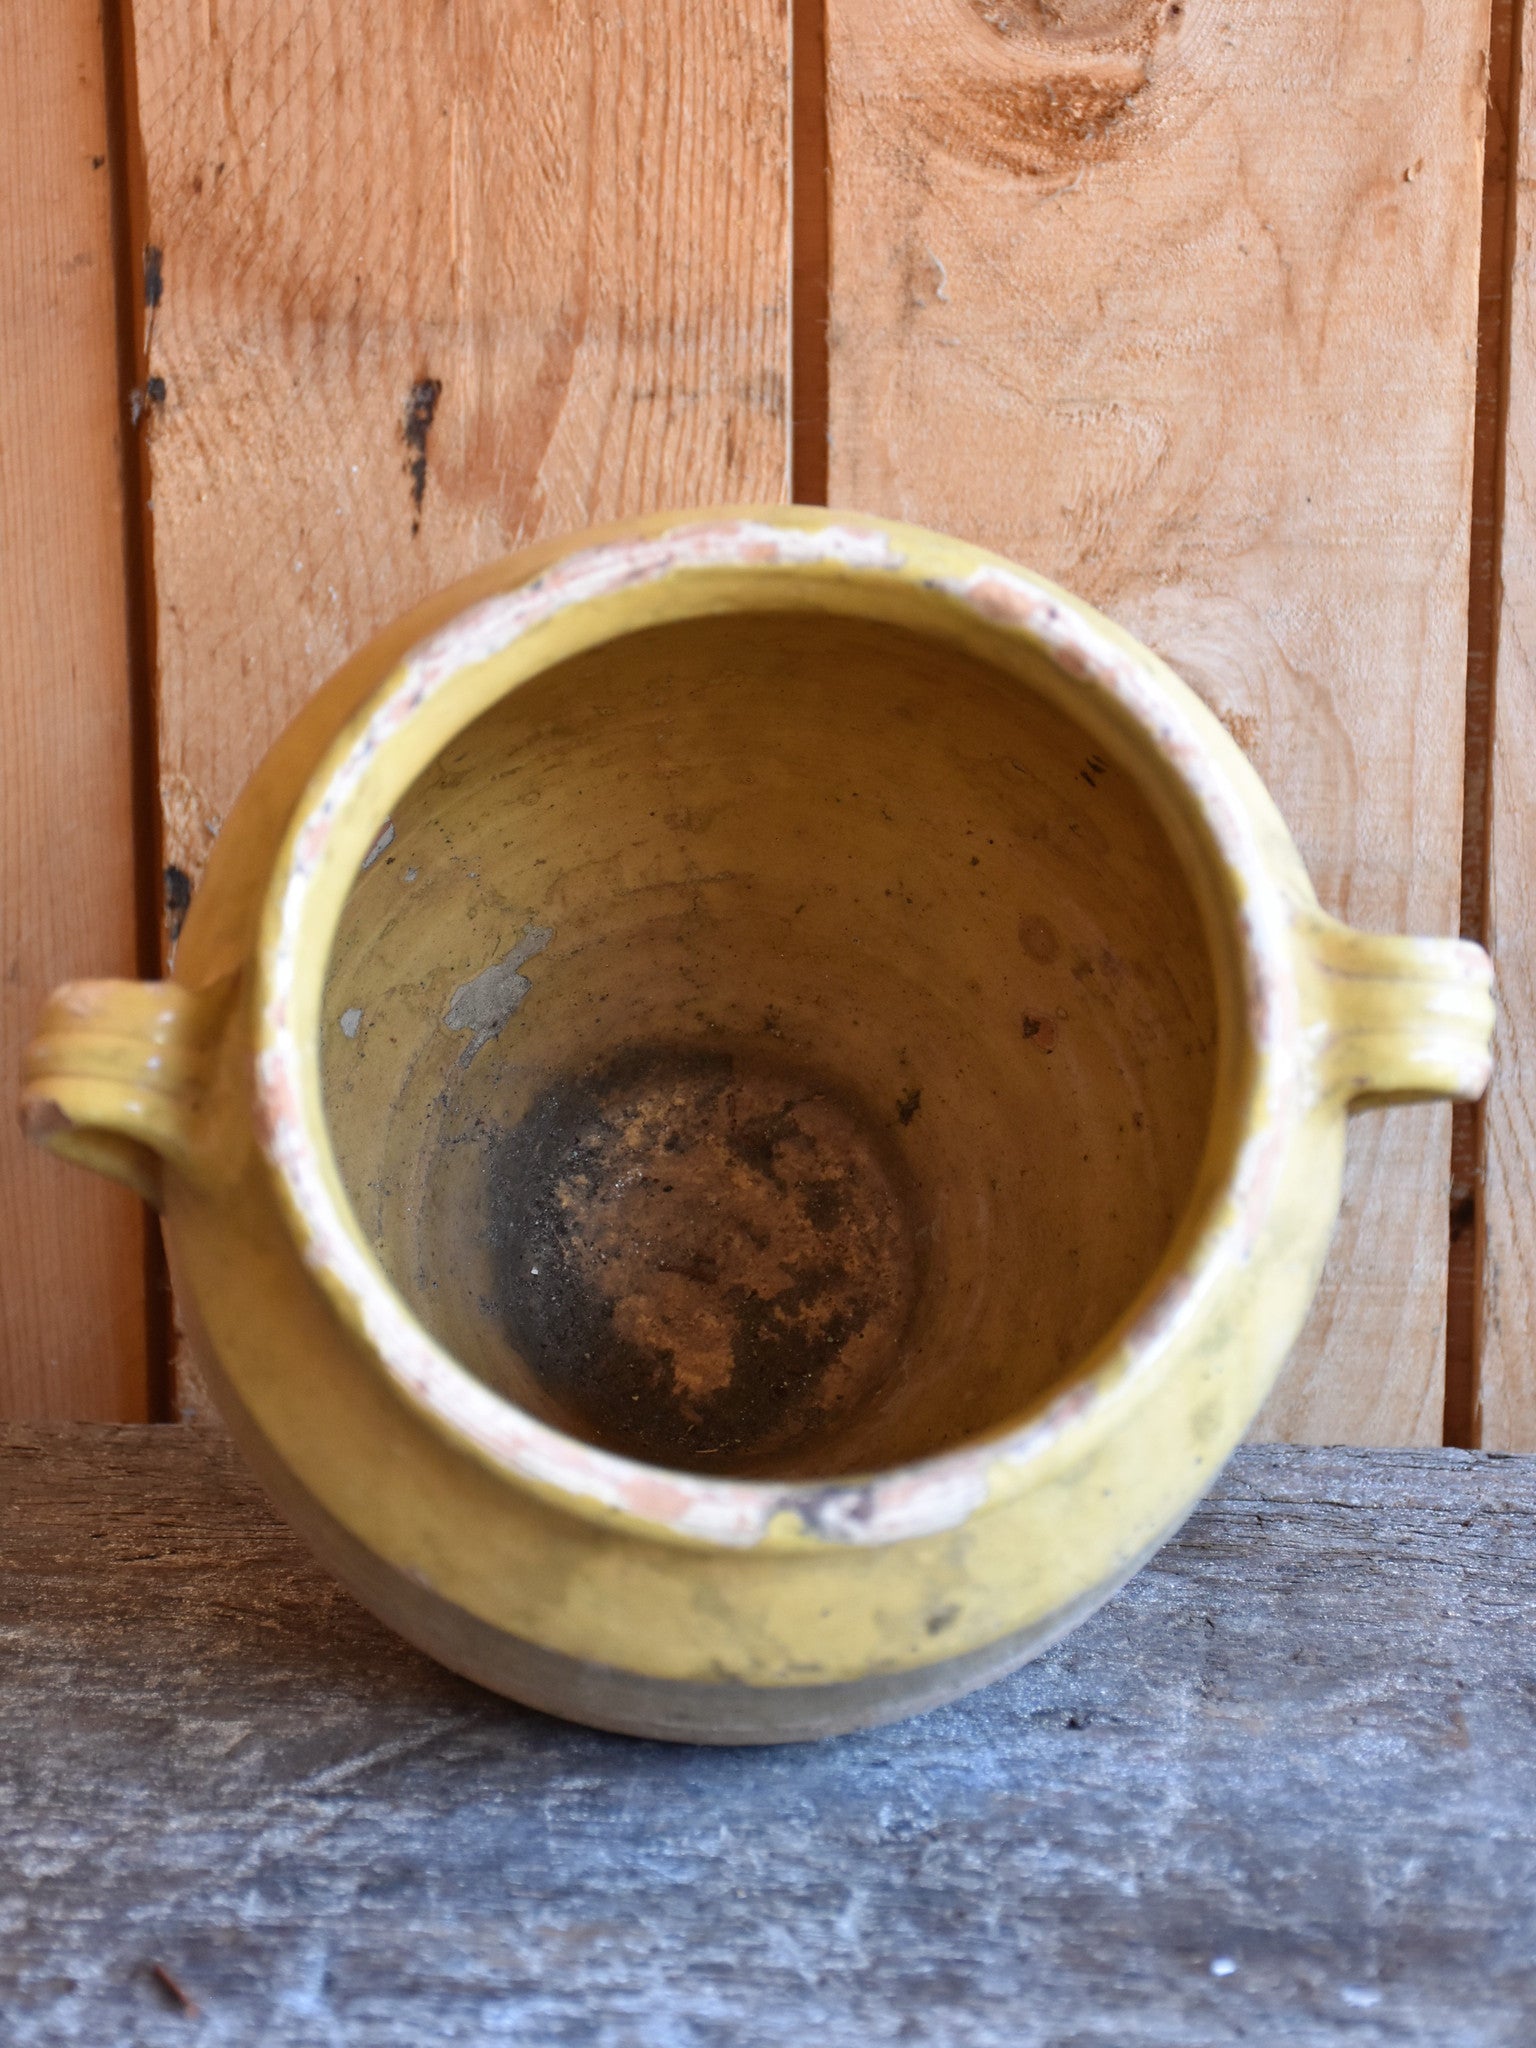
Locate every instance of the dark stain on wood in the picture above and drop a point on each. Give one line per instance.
(145, 398)
(178, 901)
(420, 411)
(181, 1999)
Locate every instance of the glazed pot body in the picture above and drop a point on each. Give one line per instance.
(748, 1109)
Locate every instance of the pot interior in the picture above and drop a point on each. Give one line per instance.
(775, 1044)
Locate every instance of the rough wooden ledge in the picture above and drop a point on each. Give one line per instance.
(1283, 1790)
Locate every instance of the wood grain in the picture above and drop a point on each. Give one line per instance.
(1177, 303)
(1506, 1417)
(72, 1292)
(433, 280)
(1281, 1790)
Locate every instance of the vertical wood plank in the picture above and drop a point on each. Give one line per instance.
(1177, 303)
(428, 279)
(1505, 1418)
(432, 278)
(72, 1294)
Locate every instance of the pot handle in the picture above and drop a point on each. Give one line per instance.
(1411, 1020)
(114, 1076)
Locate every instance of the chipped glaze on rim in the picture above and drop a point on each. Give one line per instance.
(909, 1501)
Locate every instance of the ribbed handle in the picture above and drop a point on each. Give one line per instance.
(1410, 1020)
(114, 1077)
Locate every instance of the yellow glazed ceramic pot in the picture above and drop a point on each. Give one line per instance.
(748, 1109)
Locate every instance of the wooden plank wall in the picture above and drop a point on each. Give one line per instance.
(72, 1250)
(1175, 302)
(1176, 305)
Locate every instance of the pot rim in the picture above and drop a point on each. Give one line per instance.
(823, 560)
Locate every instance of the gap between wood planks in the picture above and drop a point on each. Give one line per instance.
(1464, 1279)
(129, 256)
(810, 243)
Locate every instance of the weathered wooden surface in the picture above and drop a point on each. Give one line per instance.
(1282, 1790)
(72, 1296)
(427, 283)
(1177, 303)
(431, 282)
(1175, 300)
(1507, 1363)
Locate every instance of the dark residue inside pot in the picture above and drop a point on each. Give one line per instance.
(705, 1259)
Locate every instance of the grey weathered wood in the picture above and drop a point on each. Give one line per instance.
(1302, 1741)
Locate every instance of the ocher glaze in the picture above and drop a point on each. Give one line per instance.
(797, 1108)
(811, 841)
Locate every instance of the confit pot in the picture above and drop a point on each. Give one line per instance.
(748, 1108)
